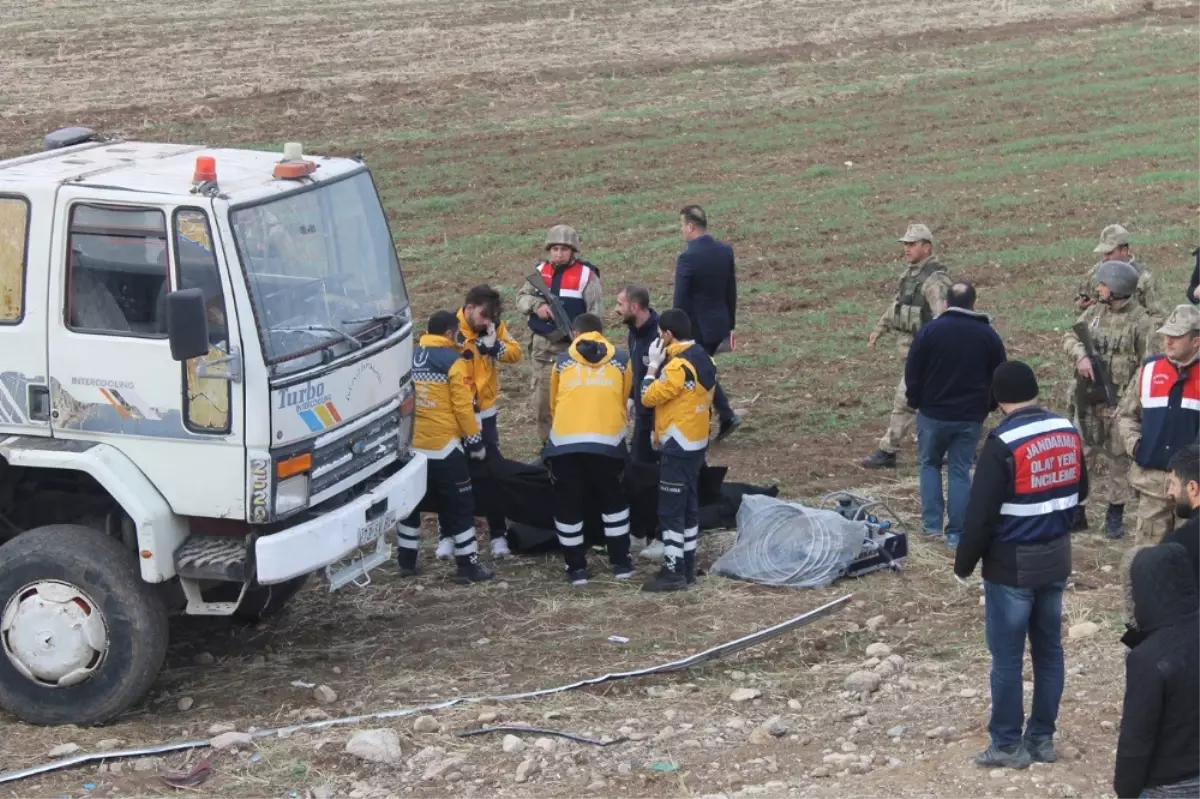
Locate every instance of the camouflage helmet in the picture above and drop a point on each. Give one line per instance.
(563, 234)
(1120, 277)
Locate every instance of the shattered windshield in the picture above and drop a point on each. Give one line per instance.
(322, 272)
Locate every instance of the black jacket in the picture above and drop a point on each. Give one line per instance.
(640, 339)
(948, 374)
(706, 289)
(1187, 535)
(1159, 743)
(1030, 565)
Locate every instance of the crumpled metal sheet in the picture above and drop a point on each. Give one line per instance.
(736, 645)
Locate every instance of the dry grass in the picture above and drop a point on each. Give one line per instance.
(496, 80)
(83, 56)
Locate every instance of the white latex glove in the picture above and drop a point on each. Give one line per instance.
(479, 453)
(962, 582)
(657, 354)
(489, 338)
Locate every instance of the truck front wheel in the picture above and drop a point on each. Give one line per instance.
(82, 637)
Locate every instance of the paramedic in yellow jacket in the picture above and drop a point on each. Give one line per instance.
(585, 451)
(483, 337)
(445, 422)
(679, 387)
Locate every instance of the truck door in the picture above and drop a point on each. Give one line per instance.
(111, 373)
(26, 221)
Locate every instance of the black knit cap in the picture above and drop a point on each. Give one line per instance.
(1014, 382)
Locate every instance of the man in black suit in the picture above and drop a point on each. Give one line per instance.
(706, 289)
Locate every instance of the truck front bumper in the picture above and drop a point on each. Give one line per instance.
(343, 532)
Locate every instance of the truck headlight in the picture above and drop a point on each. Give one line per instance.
(291, 494)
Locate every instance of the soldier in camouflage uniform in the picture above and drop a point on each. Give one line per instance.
(1123, 333)
(1114, 246)
(920, 296)
(1159, 417)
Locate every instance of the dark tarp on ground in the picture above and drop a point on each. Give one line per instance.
(522, 493)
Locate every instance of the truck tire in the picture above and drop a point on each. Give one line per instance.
(82, 637)
(260, 601)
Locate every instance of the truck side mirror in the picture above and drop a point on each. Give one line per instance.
(187, 324)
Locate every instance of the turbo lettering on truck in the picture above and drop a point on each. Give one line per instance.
(312, 404)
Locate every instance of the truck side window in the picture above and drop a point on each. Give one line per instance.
(14, 236)
(117, 271)
(206, 399)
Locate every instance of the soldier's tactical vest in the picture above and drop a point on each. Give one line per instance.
(1115, 333)
(911, 310)
(567, 284)
(1046, 453)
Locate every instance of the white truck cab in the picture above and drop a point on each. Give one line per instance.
(205, 397)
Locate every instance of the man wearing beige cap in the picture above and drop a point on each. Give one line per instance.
(1114, 246)
(920, 297)
(1159, 416)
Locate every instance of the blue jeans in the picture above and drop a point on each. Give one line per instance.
(956, 441)
(1012, 614)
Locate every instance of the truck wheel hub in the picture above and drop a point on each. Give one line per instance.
(54, 633)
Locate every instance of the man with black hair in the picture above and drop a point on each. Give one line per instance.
(948, 382)
(706, 290)
(444, 422)
(1183, 487)
(679, 384)
(585, 451)
(633, 306)
(483, 339)
(1030, 477)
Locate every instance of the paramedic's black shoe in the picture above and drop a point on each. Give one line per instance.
(470, 570)
(1114, 521)
(666, 580)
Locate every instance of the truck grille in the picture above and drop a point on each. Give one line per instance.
(364, 446)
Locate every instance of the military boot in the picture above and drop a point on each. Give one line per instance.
(1114, 521)
(470, 570)
(879, 460)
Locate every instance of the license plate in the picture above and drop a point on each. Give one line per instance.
(376, 527)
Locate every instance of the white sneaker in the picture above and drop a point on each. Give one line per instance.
(500, 548)
(445, 548)
(653, 551)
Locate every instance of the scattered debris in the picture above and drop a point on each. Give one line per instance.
(204, 659)
(231, 740)
(526, 769)
(185, 704)
(745, 694)
(729, 647)
(618, 639)
(325, 695)
(863, 682)
(426, 724)
(1085, 629)
(304, 685)
(62, 750)
(191, 778)
(377, 746)
(511, 728)
(878, 650)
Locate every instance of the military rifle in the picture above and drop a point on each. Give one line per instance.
(1101, 389)
(562, 322)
